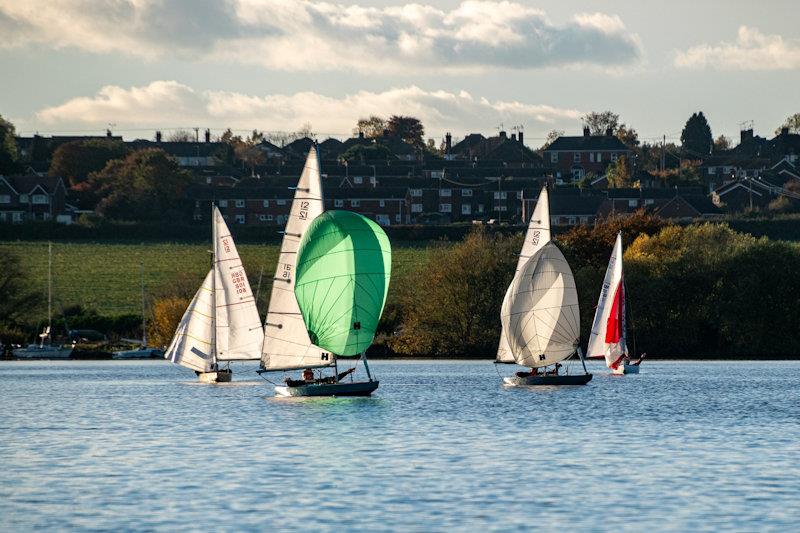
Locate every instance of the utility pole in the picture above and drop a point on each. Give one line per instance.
(663, 147)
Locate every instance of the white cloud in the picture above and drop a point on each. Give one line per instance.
(752, 50)
(166, 104)
(314, 35)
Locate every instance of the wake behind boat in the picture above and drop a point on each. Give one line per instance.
(608, 337)
(540, 315)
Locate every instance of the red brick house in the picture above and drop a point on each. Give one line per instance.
(33, 197)
(573, 157)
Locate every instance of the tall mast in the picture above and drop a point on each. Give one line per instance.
(144, 320)
(213, 288)
(49, 290)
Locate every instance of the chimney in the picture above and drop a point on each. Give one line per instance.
(108, 133)
(502, 135)
(158, 136)
(385, 133)
(586, 131)
(745, 135)
(519, 137)
(784, 130)
(208, 135)
(360, 134)
(513, 136)
(448, 142)
(609, 132)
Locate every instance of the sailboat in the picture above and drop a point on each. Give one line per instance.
(143, 351)
(540, 315)
(46, 349)
(608, 336)
(221, 323)
(287, 343)
(342, 278)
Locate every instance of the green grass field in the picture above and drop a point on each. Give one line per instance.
(106, 277)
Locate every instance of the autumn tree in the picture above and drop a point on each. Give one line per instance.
(145, 185)
(722, 143)
(166, 313)
(619, 174)
(599, 122)
(181, 136)
(75, 160)
(552, 135)
(696, 138)
(8, 148)
(371, 127)
(792, 123)
(409, 129)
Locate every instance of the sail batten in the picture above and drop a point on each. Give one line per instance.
(287, 345)
(607, 338)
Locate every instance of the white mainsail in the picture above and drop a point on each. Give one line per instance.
(541, 318)
(286, 342)
(537, 235)
(192, 345)
(238, 325)
(605, 342)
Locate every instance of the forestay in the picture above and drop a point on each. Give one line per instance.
(286, 342)
(238, 325)
(343, 269)
(541, 316)
(536, 236)
(607, 338)
(192, 344)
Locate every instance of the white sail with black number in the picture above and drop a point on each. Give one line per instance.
(239, 334)
(192, 346)
(286, 342)
(541, 318)
(536, 236)
(607, 339)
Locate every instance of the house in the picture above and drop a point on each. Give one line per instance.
(573, 157)
(738, 196)
(33, 197)
(688, 208)
(188, 153)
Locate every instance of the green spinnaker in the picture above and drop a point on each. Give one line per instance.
(344, 264)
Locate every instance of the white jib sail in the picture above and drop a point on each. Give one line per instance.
(541, 316)
(598, 345)
(239, 334)
(286, 342)
(191, 346)
(537, 235)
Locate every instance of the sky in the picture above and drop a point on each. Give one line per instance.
(461, 66)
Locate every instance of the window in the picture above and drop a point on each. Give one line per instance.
(480, 208)
(240, 219)
(355, 203)
(416, 208)
(649, 201)
(358, 180)
(281, 202)
(382, 203)
(5, 199)
(584, 220)
(712, 170)
(445, 208)
(445, 192)
(265, 203)
(416, 192)
(338, 203)
(571, 221)
(262, 218)
(554, 157)
(577, 174)
(500, 195)
(591, 157)
(223, 203)
(466, 192)
(466, 209)
(599, 157)
(614, 157)
(501, 208)
(198, 217)
(632, 203)
(16, 217)
(397, 218)
(196, 203)
(576, 157)
(239, 203)
(519, 195)
(23, 198)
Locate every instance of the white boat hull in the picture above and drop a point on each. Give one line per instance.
(35, 351)
(625, 369)
(140, 353)
(219, 376)
(350, 388)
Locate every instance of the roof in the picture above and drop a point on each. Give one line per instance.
(182, 149)
(587, 143)
(470, 141)
(24, 184)
(574, 205)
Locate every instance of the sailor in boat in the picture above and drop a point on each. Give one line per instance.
(309, 379)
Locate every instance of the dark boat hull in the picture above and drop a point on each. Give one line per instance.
(351, 388)
(529, 381)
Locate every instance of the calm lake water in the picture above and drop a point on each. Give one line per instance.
(441, 445)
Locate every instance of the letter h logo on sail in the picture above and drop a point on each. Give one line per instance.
(324, 356)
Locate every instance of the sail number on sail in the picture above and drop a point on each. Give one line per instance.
(303, 210)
